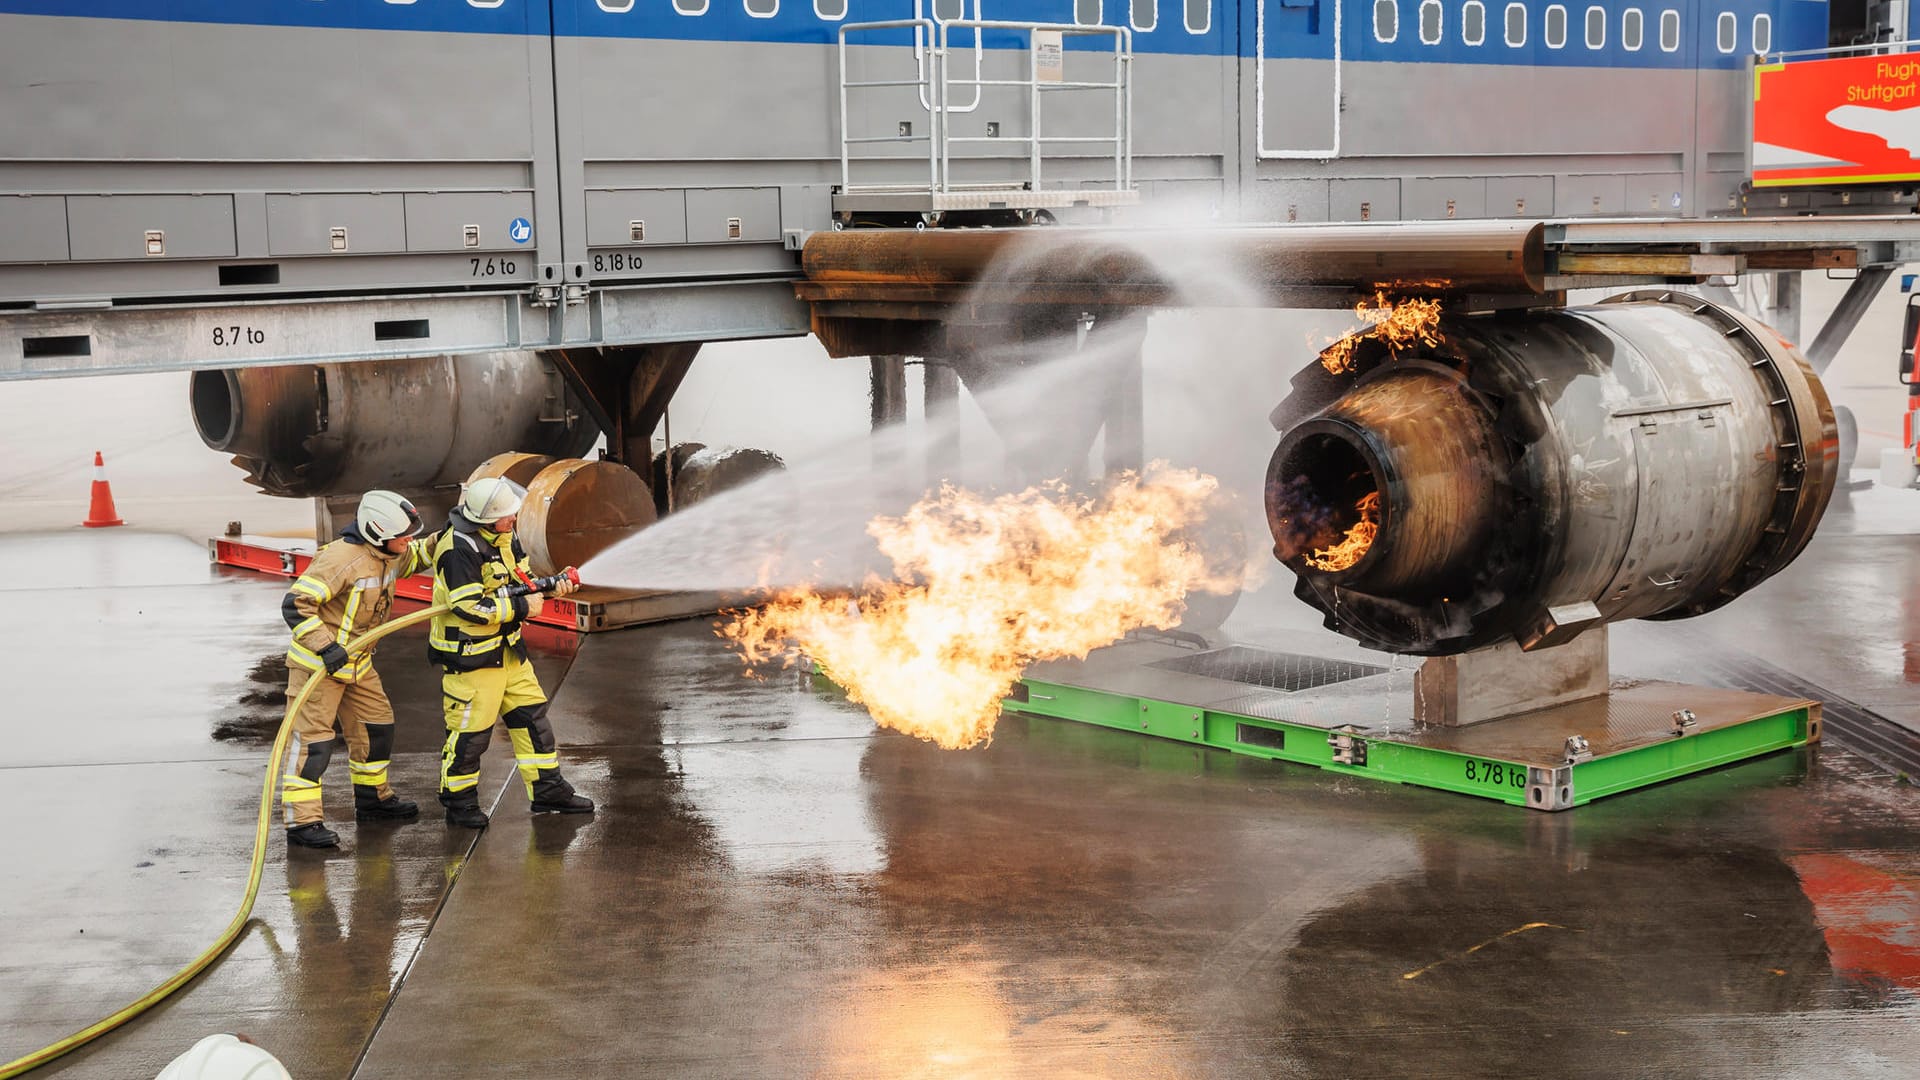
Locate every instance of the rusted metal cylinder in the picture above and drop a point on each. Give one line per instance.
(1490, 256)
(412, 425)
(576, 509)
(516, 466)
(1544, 473)
(698, 472)
(714, 469)
(667, 466)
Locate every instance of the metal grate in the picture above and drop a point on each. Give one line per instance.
(1845, 723)
(1276, 671)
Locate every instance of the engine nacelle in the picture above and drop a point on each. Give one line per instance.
(1540, 473)
(411, 425)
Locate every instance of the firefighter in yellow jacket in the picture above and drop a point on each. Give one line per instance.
(488, 678)
(346, 591)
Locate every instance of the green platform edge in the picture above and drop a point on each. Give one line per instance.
(1513, 783)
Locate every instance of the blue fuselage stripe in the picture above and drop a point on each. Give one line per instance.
(1294, 29)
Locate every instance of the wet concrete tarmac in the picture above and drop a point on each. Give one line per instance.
(772, 888)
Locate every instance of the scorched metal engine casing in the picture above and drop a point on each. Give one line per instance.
(1540, 473)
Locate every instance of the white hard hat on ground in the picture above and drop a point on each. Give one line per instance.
(224, 1057)
(384, 515)
(491, 498)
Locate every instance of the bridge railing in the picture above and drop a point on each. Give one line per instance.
(1038, 84)
(945, 89)
(924, 81)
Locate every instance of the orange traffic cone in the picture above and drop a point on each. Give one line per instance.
(101, 513)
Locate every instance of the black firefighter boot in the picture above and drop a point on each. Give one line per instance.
(556, 796)
(463, 809)
(369, 806)
(313, 834)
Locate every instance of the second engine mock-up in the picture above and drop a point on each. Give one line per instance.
(413, 425)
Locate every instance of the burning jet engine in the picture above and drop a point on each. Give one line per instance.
(1539, 473)
(411, 425)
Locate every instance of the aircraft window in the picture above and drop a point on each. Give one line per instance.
(1596, 28)
(1145, 14)
(830, 10)
(1473, 22)
(1727, 32)
(400, 2)
(1516, 25)
(618, 7)
(763, 9)
(690, 7)
(1556, 26)
(1762, 33)
(1633, 30)
(1086, 12)
(1430, 22)
(1669, 31)
(949, 10)
(1386, 20)
(485, 3)
(1199, 16)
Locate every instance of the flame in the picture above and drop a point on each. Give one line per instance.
(982, 588)
(1358, 539)
(1400, 325)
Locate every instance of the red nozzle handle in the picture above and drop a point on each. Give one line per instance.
(540, 585)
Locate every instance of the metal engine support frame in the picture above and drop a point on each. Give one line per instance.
(1549, 759)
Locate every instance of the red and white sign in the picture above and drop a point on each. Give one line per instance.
(1848, 120)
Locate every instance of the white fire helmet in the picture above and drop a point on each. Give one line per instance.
(491, 498)
(223, 1057)
(384, 515)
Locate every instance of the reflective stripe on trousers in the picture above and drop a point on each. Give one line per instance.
(366, 718)
(474, 701)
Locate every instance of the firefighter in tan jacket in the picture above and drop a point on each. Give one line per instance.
(346, 591)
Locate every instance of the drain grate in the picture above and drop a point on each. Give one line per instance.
(1846, 723)
(1273, 670)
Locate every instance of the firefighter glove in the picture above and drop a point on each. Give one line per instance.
(334, 657)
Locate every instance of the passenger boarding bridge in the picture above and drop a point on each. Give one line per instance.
(453, 217)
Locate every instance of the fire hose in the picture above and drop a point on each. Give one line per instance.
(231, 934)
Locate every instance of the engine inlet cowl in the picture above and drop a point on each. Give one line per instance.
(1533, 475)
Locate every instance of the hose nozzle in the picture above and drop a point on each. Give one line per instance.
(544, 584)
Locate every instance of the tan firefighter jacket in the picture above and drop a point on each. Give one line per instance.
(346, 591)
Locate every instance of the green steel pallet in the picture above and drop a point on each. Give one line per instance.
(1643, 733)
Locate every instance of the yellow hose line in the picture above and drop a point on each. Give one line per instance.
(232, 933)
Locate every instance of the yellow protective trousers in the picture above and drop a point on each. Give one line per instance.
(474, 702)
(366, 719)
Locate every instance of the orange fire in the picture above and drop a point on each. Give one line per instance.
(1398, 324)
(1358, 539)
(984, 587)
